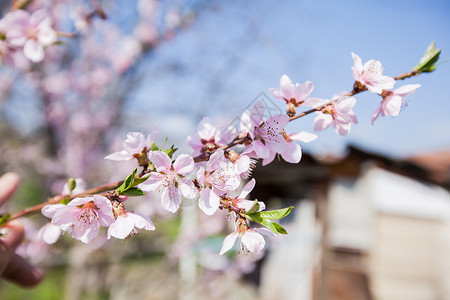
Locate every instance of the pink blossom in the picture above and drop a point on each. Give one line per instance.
(240, 200)
(210, 137)
(371, 75)
(33, 32)
(249, 239)
(339, 113)
(126, 223)
(82, 217)
(266, 135)
(134, 145)
(293, 152)
(298, 93)
(393, 100)
(216, 178)
(170, 179)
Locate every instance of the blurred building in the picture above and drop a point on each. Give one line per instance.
(366, 227)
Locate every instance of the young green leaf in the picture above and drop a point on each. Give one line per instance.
(133, 192)
(154, 147)
(274, 227)
(428, 61)
(64, 201)
(128, 183)
(71, 183)
(138, 180)
(255, 207)
(276, 214)
(4, 219)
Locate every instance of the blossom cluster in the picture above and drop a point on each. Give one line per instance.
(339, 110)
(216, 170)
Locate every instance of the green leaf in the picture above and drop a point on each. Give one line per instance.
(4, 219)
(154, 147)
(64, 201)
(276, 214)
(274, 227)
(71, 183)
(428, 61)
(128, 183)
(133, 192)
(138, 180)
(254, 209)
(170, 151)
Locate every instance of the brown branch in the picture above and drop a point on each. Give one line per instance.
(58, 198)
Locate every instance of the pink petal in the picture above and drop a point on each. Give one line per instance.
(184, 164)
(153, 183)
(228, 242)
(206, 129)
(50, 233)
(287, 87)
(65, 216)
(80, 201)
(160, 160)
(303, 136)
(304, 90)
(118, 156)
(345, 105)
(253, 241)
(171, 198)
(46, 36)
(209, 201)
(33, 50)
(276, 93)
(260, 149)
(51, 209)
(376, 114)
(293, 153)
(141, 221)
(257, 113)
(121, 228)
(357, 68)
(322, 122)
(406, 89)
(242, 164)
(269, 159)
(187, 188)
(247, 188)
(393, 105)
(151, 138)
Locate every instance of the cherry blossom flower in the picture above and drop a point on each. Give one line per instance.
(135, 146)
(216, 178)
(371, 75)
(293, 152)
(240, 200)
(339, 113)
(290, 93)
(81, 217)
(266, 135)
(249, 239)
(33, 32)
(393, 100)
(210, 137)
(126, 222)
(170, 179)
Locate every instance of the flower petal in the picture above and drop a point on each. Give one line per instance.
(228, 242)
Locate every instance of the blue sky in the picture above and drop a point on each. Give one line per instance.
(233, 53)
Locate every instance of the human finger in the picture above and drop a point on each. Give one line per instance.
(8, 185)
(19, 271)
(14, 234)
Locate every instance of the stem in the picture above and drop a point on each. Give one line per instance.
(407, 75)
(58, 198)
